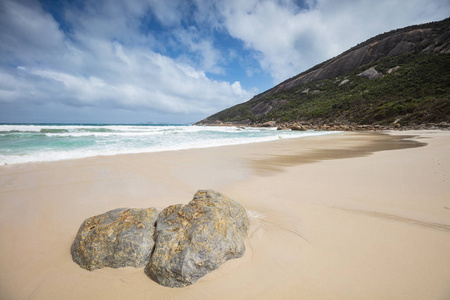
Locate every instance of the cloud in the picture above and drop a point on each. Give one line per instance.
(28, 34)
(105, 60)
(179, 59)
(293, 36)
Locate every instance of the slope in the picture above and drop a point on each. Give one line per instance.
(402, 76)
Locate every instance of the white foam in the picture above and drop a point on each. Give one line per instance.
(134, 139)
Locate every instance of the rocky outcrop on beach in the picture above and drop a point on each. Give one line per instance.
(121, 237)
(195, 239)
(179, 245)
(357, 127)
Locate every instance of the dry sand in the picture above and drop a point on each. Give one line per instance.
(332, 217)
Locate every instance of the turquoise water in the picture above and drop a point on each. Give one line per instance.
(34, 143)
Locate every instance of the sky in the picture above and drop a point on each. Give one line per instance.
(173, 61)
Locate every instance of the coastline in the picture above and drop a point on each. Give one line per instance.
(332, 217)
(43, 143)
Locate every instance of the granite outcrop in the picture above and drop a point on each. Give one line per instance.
(178, 245)
(121, 237)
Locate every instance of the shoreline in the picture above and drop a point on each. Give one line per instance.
(320, 133)
(340, 216)
(190, 139)
(328, 126)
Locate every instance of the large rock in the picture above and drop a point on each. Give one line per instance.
(298, 127)
(195, 239)
(268, 124)
(343, 82)
(118, 238)
(371, 73)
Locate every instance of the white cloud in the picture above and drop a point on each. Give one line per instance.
(105, 61)
(294, 39)
(107, 55)
(28, 34)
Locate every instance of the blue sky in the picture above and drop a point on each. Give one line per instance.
(173, 61)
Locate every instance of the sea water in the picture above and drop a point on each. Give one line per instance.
(38, 142)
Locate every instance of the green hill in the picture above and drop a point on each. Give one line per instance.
(401, 77)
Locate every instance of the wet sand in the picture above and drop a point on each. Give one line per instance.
(346, 216)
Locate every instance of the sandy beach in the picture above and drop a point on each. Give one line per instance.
(344, 216)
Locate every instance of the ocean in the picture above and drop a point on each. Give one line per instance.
(51, 142)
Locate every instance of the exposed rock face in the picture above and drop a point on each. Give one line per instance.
(195, 239)
(395, 43)
(371, 73)
(263, 108)
(118, 238)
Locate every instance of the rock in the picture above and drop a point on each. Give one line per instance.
(264, 108)
(388, 44)
(268, 124)
(343, 82)
(195, 239)
(297, 127)
(305, 92)
(392, 70)
(121, 237)
(371, 73)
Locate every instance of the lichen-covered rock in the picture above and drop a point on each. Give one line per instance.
(121, 237)
(195, 239)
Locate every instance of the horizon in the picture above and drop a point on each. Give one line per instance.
(94, 124)
(131, 62)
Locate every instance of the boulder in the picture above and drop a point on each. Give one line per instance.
(316, 92)
(268, 124)
(194, 239)
(121, 237)
(371, 73)
(343, 82)
(305, 92)
(297, 127)
(392, 70)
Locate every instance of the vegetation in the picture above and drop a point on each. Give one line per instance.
(418, 92)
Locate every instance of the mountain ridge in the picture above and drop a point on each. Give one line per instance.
(409, 47)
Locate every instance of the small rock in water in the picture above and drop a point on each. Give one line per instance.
(121, 237)
(195, 239)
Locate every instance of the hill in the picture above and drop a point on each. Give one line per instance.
(401, 77)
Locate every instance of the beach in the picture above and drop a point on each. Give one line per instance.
(343, 216)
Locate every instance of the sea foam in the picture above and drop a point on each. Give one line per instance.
(38, 143)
